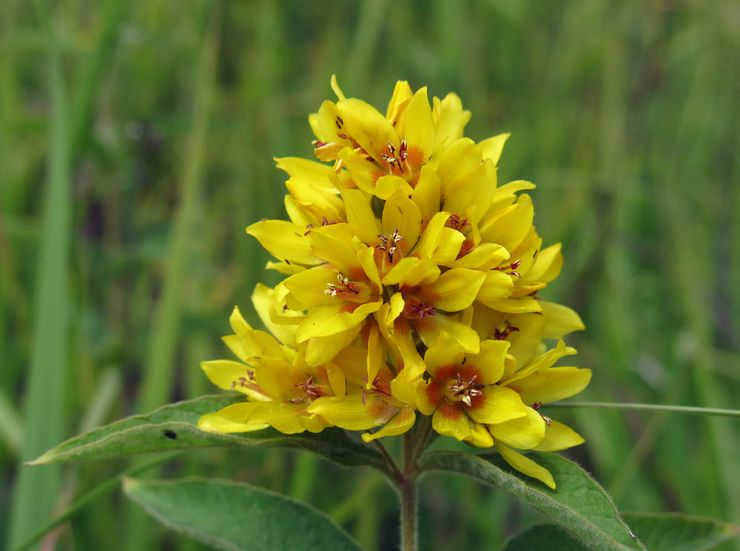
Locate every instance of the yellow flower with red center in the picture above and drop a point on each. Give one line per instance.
(412, 285)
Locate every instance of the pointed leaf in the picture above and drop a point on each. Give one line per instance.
(579, 504)
(173, 427)
(544, 536)
(659, 532)
(228, 515)
(678, 532)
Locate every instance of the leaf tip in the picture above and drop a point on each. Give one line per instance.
(43, 459)
(129, 484)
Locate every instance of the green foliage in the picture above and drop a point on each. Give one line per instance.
(623, 113)
(579, 504)
(227, 515)
(677, 532)
(659, 532)
(173, 427)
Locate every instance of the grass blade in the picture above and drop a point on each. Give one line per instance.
(44, 408)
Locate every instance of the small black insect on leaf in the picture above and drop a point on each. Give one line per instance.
(171, 434)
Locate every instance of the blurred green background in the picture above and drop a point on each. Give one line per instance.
(136, 143)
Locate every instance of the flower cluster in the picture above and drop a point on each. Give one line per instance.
(412, 288)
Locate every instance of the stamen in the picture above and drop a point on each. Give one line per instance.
(419, 310)
(456, 222)
(466, 389)
(343, 285)
(390, 244)
(511, 268)
(536, 406)
(312, 390)
(503, 334)
(393, 160)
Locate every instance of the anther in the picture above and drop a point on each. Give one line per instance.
(456, 222)
(466, 390)
(503, 334)
(343, 285)
(390, 244)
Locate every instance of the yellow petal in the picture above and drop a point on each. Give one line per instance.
(426, 400)
(449, 420)
(546, 266)
(333, 243)
(510, 226)
(400, 214)
(306, 171)
(524, 305)
(431, 235)
(399, 424)
(446, 352)
(496, 286)
(455, 289)
(324, 321)
(489, 361)
(363, 171)
(472, 190)
(449, 119)
(284, 240)
(264, 301)
(450, 242)
(485, 256)
(459, 158)
(551, 385)
(427, 193)
(496, 405)
(492, 147)
(411, 272)
(525, 465)
(375, 354)
(559, 437)
(435, 329)
(505, 195)
(360, 215)
(559, 320)
(284, 417)
(543, 361)
(233, 418)
(479, 437)
(385, 186)
(337, 380)
(368, 127)
(308, 287)
(404, 386)
(418, 124)
(227, 374)
(335, 87)
(353, 412)
(523, 433)
(399, 99)
(320, 350)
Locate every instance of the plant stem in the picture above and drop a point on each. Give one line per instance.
(407, 489)
(409, 523)
(653, 407)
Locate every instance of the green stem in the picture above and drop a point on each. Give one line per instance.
(407, 489)
(409, 523)
(649, 407)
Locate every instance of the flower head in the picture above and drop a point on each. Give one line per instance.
(412, 285)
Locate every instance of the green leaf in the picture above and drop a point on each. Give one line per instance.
(659, 532)
(678, 532)
(228, 515)
(579, 504)
(544, 536)
(173, 427)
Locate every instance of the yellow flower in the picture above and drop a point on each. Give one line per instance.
(412, 283)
